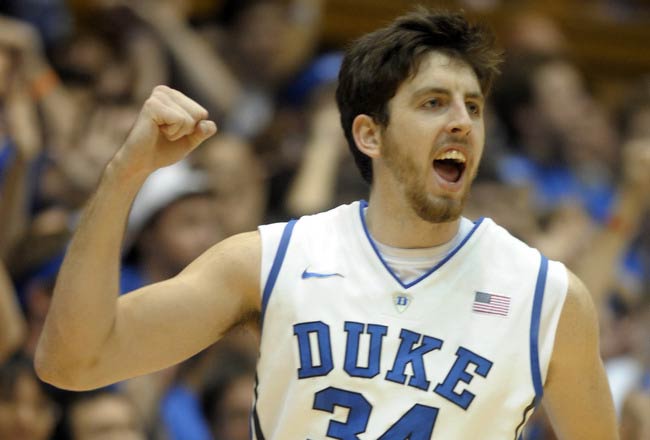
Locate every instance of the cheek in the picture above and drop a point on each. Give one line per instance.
(478, 139)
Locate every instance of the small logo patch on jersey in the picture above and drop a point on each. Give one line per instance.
(491, 304)
(402, 301)
(306, 274)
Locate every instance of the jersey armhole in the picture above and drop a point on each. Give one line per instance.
(275, 267)
(538, 299)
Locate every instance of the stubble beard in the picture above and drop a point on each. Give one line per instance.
(429, 207)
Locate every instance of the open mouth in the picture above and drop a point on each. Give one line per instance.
(450, 165)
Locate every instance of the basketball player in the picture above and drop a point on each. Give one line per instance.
(391, 319)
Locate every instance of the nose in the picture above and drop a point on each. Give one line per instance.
(460, 123)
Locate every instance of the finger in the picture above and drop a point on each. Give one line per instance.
(171, 121)
(186, 124)
(203, 131)
(172, 96)
(197, 111)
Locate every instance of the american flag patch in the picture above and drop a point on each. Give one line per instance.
(491, 304)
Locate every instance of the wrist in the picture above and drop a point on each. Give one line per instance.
(42, 84)
(125, 172)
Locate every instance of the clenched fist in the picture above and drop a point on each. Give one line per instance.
(169, 126)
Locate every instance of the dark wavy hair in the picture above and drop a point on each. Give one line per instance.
(378, 63)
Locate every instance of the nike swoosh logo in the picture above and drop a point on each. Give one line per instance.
(307, 274)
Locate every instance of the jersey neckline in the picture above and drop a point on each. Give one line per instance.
(363, 204)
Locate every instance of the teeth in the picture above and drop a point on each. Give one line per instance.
(452, 155)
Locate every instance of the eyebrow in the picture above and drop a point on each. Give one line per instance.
(442, 91)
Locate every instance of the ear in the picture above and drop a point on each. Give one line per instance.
(367, 135)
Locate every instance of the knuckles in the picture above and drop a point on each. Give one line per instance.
(161, 89)
(174, 108)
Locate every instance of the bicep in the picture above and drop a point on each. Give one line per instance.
(167, 322)
(576, 394)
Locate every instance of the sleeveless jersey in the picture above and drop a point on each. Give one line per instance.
(348, 351)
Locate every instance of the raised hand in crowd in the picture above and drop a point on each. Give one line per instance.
(597, 266)
(205, 70)
(314, 187)
(19, 124)
(59, 111)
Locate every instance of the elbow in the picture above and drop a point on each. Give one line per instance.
(48, 371)
(55, 371)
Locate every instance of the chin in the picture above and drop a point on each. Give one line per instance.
(437, 209)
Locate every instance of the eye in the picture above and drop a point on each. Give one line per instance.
(432, 103)
(473, 108)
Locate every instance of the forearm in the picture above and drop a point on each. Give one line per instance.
(150, 65)
(83, 308)
(24, 132)
(201, 65)
(598, 264)
(58, 108)
(301, 34)
(13, 206)
(313, 188)
(12, 323)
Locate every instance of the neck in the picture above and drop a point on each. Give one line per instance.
(394, 223)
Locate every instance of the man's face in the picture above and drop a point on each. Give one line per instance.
(28, 414)
(232, 416)
(184, 230)
(105, 418)
(433, 143)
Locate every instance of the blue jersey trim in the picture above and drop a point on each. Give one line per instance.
(276, 266)
(363, 204)
(255, 419)
(534, 330)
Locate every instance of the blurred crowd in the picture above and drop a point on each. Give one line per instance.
(563, 170)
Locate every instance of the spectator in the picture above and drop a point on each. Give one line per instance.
(326, 176)
(227, 401)
(237, 180)
(264, 43)
(173, 221)
(26, 410)
(103, 415)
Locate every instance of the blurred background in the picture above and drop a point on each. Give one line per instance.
(566, 168)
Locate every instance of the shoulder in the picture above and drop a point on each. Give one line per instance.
(322, 226)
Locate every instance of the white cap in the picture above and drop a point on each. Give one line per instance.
(163, 187)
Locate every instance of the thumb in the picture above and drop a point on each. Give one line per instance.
(203, 130)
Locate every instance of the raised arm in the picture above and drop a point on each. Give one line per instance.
(91, 338)
(576, 393)
(196, 60)
(12, 323)
(314, 186)
(58, 108)
(21, 120)
(598, 265)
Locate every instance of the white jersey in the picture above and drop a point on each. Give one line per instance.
(349, 351)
